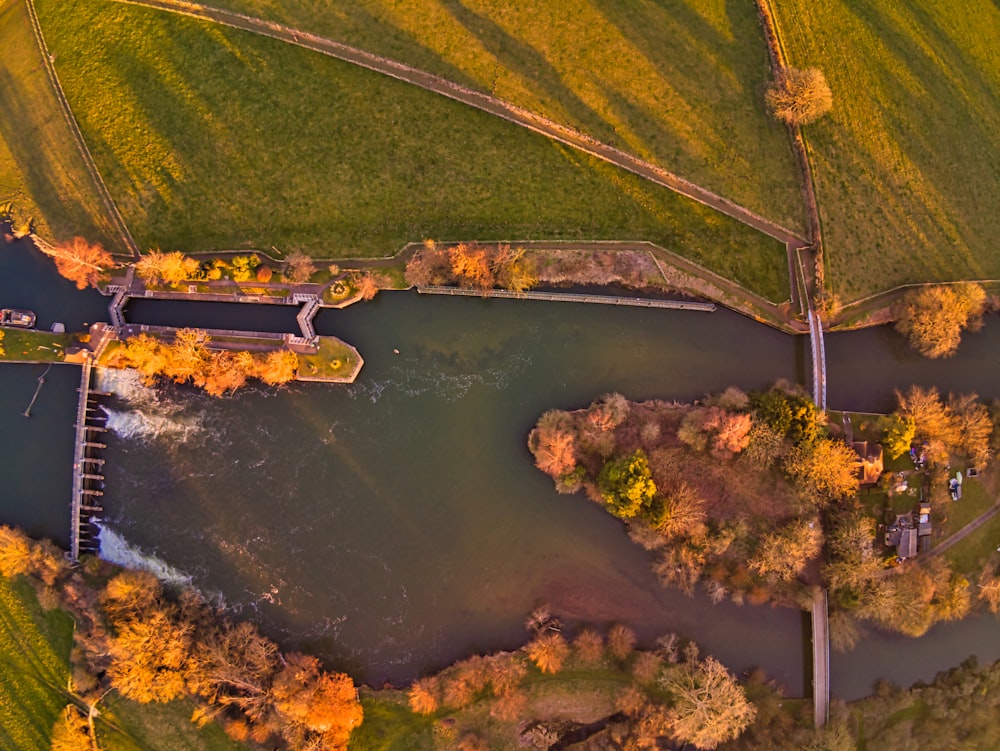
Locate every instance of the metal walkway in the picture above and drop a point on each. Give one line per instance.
(637, 302)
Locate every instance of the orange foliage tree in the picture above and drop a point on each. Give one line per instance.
(81, 262)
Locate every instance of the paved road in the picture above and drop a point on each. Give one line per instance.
(481, 101)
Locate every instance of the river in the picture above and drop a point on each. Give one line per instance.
(397, 524)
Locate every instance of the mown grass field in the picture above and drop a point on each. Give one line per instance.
(906, 163)
(211, 138)
(679, 82)
(41, 171)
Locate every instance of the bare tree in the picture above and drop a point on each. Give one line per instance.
(800, 96)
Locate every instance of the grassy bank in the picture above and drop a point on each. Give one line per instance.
(33, 346)
(34, 667)
(213, 138)
(41, 171)
(678, 82)
(905, 164)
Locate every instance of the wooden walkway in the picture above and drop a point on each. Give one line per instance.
(636, 302)
(821, 659)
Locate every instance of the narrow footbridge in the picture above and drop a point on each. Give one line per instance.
(821, 659)
(817, 346)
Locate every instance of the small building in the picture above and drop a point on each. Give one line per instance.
(869, 462)
(924, 520)
(907, 547)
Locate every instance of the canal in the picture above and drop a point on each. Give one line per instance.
(398, 524)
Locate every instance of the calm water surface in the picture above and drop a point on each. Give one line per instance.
(398, 524)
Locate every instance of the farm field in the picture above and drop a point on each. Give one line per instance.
(41, 171)
(906, 162)
(211, 138)
(677, 82)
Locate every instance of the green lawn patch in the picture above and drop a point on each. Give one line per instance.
(34, 667)
(130, 726)
(969, 555)
(678, 82)
(212, 138)
(335, 359)
(390, 725)
(35, 346)
(975, 500)
(41, 170)
(905, 162)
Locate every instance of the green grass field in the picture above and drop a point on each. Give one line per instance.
(34, 667)
(41, 171)
(905, 164)
(969, 555)
(679, 82)
(211, 138)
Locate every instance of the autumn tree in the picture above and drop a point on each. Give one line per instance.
(709, 705)
(277, 367)
(853, 561)
(626, 484)
(424, 695)
(169, 268)
(589, 646)
(825, 471)
(233, 667)
(15, 552)
(188, 356)
(81, 262)
(784, 553)
(549, 652)
(621, 641)
(471, 266)
(368, 285)
(974, 425)
(514, 269)
(71, 732)
(227, 371)
(299, 267)
(317, 709)
(800, 97)
(146, 354)
(149, 657)
(989, 589)
(933, 318)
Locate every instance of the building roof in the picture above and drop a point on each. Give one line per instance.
(907, 547)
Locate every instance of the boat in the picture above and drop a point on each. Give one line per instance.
(23, 319)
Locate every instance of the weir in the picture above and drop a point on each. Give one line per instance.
(82, 505)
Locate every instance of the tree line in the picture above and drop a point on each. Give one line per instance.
(669, 693)
(188, 359)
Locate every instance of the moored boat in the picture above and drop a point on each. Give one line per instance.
(24, 319)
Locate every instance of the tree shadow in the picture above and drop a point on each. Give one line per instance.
(524, 60)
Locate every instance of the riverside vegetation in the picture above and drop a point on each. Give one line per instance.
(755, 498)
(103, 658)
(126, 634)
